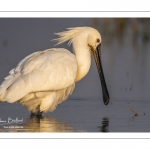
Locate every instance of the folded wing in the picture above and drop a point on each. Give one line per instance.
(49, 70)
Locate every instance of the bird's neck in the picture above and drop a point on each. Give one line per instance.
(83, 57)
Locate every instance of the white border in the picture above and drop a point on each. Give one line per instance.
(96, 135)
(74, 5)
(87, 14)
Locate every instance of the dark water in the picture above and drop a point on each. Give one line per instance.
(80, 116)
(126, 65)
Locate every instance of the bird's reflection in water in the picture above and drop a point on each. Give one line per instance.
(47, 124)
(43, 124)
(105, 125)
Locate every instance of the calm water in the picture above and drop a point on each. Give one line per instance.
(126, 65)
(80, 116)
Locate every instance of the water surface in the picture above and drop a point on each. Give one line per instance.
(80, 116)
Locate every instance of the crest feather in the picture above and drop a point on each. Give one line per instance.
(68, 35)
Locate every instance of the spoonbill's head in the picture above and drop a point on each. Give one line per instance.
(94, 44)
(94, 39)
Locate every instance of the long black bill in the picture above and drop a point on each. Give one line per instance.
(97, 57)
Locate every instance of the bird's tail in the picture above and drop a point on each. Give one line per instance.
(2, 97)
(6, 84)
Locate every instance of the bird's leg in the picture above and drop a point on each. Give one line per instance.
(36, 114)
(33, 114)
(39, 113)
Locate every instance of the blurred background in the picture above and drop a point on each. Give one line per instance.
(125, 52)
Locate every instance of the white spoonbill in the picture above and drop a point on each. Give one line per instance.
(44, 79)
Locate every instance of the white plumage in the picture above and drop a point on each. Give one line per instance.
(44, 79)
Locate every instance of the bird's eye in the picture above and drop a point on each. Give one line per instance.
(98, 40)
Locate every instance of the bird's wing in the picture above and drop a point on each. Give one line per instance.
(48, 70)
(15, 73)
